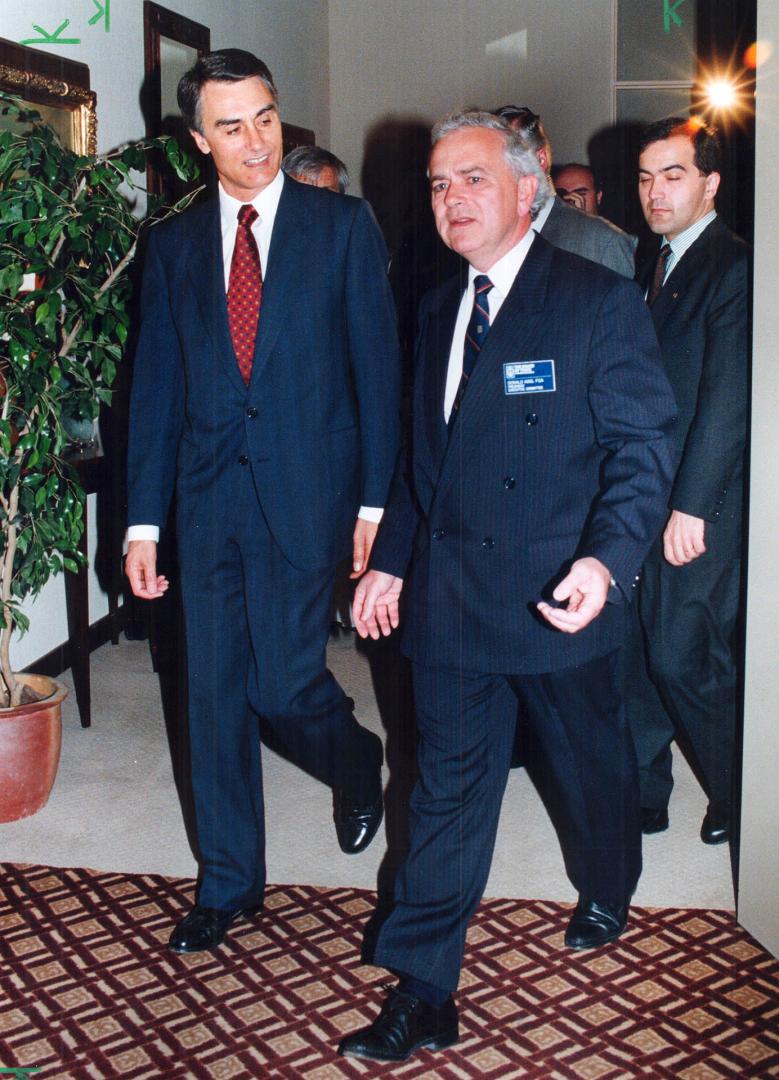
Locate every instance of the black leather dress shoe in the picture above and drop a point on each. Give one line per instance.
(716, 825)
(204, 928)
(593, 924)
(653, 821)
(356, 824)
(405, 1024)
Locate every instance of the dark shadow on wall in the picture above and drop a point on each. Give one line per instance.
(394, 181)
(613, 155)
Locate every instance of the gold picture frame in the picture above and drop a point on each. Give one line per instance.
(57, 88)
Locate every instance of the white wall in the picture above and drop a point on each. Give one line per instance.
(422, 58)
(290, 35)
(758, 906)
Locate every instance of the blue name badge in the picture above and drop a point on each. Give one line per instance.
(529, 377)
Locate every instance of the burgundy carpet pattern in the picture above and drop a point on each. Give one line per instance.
(87, 990)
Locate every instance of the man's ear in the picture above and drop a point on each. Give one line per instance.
(598, 197)
(527, 186)
(712, 184)
(200, 141)
(543, 159)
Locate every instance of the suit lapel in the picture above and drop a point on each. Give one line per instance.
(510, 336)
(282, 276)
(438, 331)
(692, 263)
(206, 273)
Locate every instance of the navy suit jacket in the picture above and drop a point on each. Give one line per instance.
(496, 511)
(702, 323)
(318, 424)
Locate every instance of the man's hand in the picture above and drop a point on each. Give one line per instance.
(375, 604)
(585, 588)
(362, 545)
(683, 538)
(141, 569)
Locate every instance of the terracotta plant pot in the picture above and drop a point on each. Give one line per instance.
(30, 738)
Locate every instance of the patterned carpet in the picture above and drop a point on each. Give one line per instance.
(87, 992)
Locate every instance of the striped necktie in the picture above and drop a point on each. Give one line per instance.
(475, 335)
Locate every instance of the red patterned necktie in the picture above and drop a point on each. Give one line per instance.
(244, 293)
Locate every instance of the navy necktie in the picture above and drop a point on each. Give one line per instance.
(475, 335)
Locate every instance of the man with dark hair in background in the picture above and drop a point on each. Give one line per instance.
(316, 166)
(266, 391)
(697, 288)
(562, 225)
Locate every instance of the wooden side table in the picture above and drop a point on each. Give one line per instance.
(96, 477)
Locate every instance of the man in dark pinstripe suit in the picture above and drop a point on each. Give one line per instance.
(539, 477)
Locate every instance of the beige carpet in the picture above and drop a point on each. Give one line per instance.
(115, 806)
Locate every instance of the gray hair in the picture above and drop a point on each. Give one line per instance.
(520, 157)
(309, 161)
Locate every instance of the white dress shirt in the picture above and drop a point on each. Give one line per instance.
(502, 276)
(266, 204)
(684, 240)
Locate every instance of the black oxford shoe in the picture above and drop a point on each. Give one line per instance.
(356, 824)
(204, 928)
(593, 924)
(405, 1024)
(653, 821)
(716, 825)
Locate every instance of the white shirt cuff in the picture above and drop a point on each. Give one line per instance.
(143, 532)
(371, 513)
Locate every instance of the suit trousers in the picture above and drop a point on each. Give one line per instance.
(466, 730)
(681, 676)
(257, 630)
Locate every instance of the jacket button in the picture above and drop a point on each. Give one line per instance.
(531, 419)
(438, 534)
(243, 460)
(252, 413)
(488, 542)
(509, 483)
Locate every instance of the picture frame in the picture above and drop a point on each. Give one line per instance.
(57, 88)
(172, 44)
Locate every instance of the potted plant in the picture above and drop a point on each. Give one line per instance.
(67, 239)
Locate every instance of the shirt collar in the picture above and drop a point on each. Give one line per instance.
(503, 272)
(265, 203)
(687, 238)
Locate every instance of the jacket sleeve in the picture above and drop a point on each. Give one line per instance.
(633, 409)
(715, 441)
(156, 401)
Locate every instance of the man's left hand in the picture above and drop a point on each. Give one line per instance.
(683, 538)
(585, 588)
(362, 544)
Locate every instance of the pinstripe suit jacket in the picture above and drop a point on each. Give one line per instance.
(490, 516)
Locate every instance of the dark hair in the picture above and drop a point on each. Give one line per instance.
(223, 65)
(529, 126)
(309, 161)
(704, 138)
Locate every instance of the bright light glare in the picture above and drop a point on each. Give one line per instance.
(721, 93)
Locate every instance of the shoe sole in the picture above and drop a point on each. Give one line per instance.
(441, 1043)
(605, 941)
(713, 841)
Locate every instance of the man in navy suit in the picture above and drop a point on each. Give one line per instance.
(265, 391)
(690, 586)
(540, 468)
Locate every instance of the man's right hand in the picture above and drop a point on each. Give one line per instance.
(375, 604)
(141, 569)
